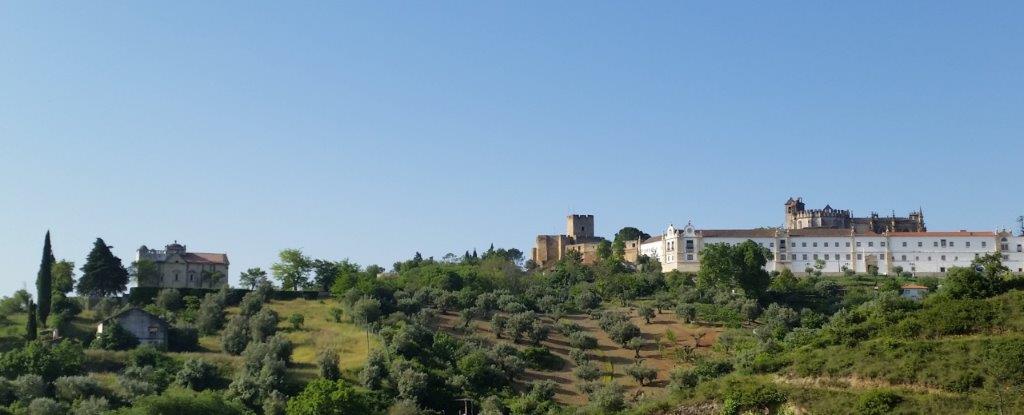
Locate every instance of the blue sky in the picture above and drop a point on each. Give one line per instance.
(372, 130)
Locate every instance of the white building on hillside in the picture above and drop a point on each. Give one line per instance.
(922, 253)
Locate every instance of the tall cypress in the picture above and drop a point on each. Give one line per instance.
(103, 274)
(44, 281)
(30, 323)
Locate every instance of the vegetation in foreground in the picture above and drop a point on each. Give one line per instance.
(492, 333)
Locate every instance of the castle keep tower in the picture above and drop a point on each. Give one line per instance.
(579, 237)
(579, 227)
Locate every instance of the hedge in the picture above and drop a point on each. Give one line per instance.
(142, 296)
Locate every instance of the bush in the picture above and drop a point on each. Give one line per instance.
(251, 304)
(198, 374)
(582, 341)
(622, 332)
(276, 403)
(607, 398)
(280, 347)
(183, 339)
(235, 336)
(542, 359)
(133, 386)
(149, 355)
(210, 317)
(30, 386)
(324, 397)
(327, 364)
(296, 320)
(73, 388)
(45, 406)
(567, 328)
(877, 402)
(586, 371)
(642, 374)
(114, 337)
(169, 299)
(263, 325)
(91, 406)
(710, 369)
(45, 359)
(538, 331)
(578, 356)
(176, 401)
(749, 395)
(498, 324)
(680, 378)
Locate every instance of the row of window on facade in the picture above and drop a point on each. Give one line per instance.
(920, 244)
(793, 257)
(940, 243)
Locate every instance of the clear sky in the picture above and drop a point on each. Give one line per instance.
(372, 130)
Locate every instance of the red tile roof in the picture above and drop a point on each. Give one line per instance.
(738, 233)
(943, 234)
(205, 258)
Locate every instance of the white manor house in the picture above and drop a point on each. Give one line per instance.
(842, 242)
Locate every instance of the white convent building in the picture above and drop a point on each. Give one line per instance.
(918, 252)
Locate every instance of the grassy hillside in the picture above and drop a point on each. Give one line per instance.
(318, 332)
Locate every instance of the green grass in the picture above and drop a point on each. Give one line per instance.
(319, 331)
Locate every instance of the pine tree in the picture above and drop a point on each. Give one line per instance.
(103, 274)
(30, 323)
(44, 281)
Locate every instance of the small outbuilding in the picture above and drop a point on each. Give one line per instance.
(145, 326)
(913, 291)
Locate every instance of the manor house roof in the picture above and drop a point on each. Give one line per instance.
(207, 258)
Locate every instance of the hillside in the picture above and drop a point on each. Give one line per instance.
(437, 337)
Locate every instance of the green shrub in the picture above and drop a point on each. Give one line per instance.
(29, 386)
(183, 339)
(586, 371)
(324, 397)
(542, 359)
(91, 406)
(45, 359)
(45, 406)
(176, 401)
(236, 335)
(198, 374)
(74, 388)
(681, 378)
(115, 337)
(745, 394)
(877, 402)
(296, 320)
(582, 341)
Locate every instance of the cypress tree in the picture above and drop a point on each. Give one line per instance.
(44, 281)
(103, 274)
(30, 323)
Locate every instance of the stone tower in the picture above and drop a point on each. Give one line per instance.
(579, 227)
(793, 208)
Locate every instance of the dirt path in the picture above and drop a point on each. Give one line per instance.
(848, 382)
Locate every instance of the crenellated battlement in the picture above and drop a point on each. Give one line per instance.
(798, 217)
